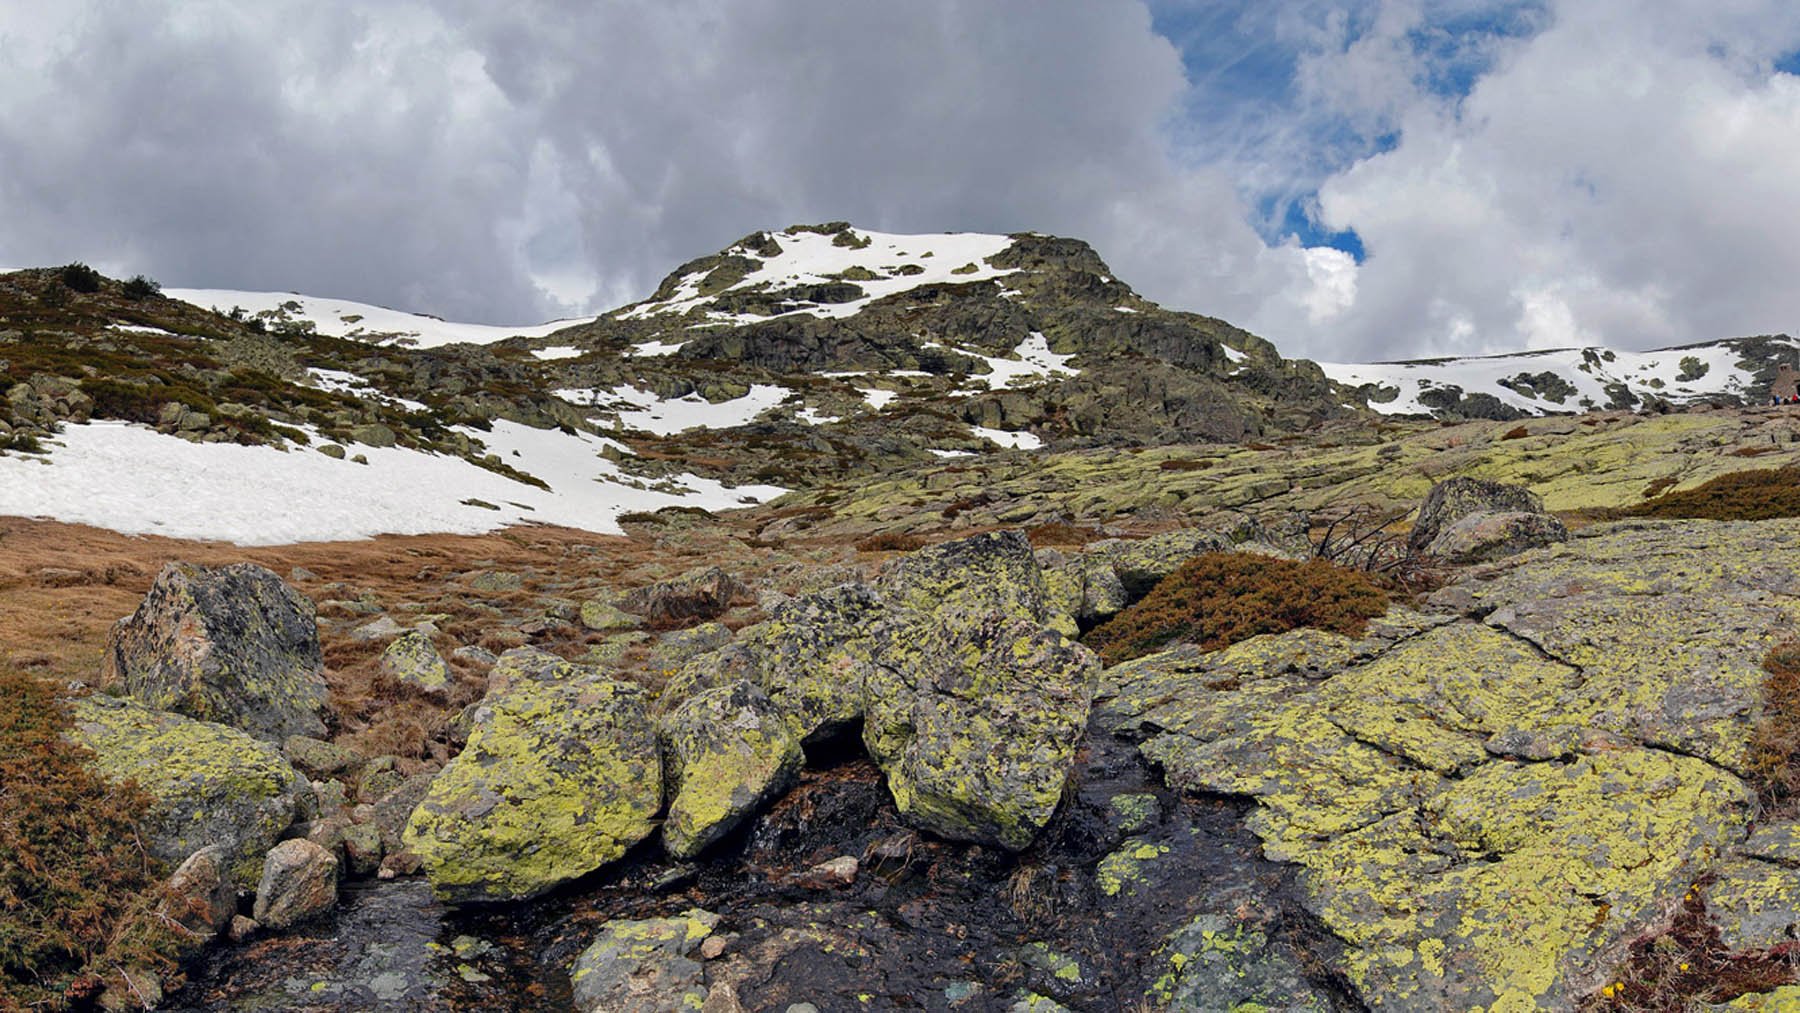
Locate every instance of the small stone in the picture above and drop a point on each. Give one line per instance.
(833, 875)
(384, 628)
(722, 999)
(475, 656)
(378, 779)
(201, 898)
(714, 947)
(241, 928)
(362, 848)
(299, 881)
(413, 660)
(317, 758)
(400, 863)
(604, 617)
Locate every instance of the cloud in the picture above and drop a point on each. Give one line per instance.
(1518, 171)
(1625, 175)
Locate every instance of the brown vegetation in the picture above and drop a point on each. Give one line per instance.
(1058, 533)
(77, 891)
(1221, 598)
(1688, 967)
(1515, 433)
(1740, 496)
(1775, 744)
(890, 541)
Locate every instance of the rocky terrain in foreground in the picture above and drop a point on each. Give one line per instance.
(1088, 656)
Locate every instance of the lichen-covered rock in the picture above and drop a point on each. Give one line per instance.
(210, 784)
(809, 657)
(605, 617)
(994, 572)
(1755, 904)
(560, 776)
(728, 753)
(299, 881)
(1785, 999)
(676, 648)
(644, 966)
(1487, 811)
(201, 898)
(1456, 498)
(316, 757)
(412, 660)
(699, 594)
(975, 720)
(1215, 962)
(1485, 537)
(230, 644)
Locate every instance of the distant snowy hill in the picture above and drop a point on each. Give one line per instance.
(341, 318)
(1570, 380)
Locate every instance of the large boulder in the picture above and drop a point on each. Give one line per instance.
(699, 594)
(1483, 538)
(644, 966)
(993, 572)
(210, 784)
(299, 881)
(808, 657)
(1457, 499)
(561, 775)
(728, 753)
(975, 720)
(230, 644)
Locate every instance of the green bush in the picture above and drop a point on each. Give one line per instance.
(1221, 598)
(79, 277)
(77, 890)
(140, 287)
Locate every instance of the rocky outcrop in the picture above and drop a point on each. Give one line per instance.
(1216, 962)
(299, 881)
(994, 572)
(230, 644)
(1467, 520)
(975, 719)
(808, 657)
(560, 776)
(728, 753)
(1558, 748)
(210, 785)
(697, 595)
(645, 966)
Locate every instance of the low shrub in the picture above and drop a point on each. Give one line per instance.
(1183, 464)
(890, 541)
(1221, 598)
(1740, 496)
(77, 890)
(140, 287)
(1515, 433)
(1775, 743)
(79, 277)
(1062, 533)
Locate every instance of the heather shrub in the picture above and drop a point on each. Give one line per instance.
(1775, 744)
(77, 890)
(79, 277)
(140, 287)
(890, 541)
(1221, 598)
(1740, 496)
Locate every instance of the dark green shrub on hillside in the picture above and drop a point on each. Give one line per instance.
(141, 287)
(1221, 598)
(77, 890)
(1740, 496)
(79, 277)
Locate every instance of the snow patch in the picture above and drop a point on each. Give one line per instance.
(557, 352)
(134, 480)
(341, 318)
(1014, 441)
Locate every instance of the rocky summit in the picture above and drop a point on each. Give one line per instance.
(871, 621)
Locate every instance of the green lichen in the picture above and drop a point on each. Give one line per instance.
(560, 776)
(1122, 872)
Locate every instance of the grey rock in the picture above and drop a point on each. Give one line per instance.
(299, 881)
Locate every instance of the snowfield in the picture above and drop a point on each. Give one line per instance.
(341, 318)
(134, 480)
(808, 258)
(1707, 370)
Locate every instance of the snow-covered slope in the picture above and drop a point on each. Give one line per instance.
(879, 264)
(132, 479)
(341, 318)
(1564, 380)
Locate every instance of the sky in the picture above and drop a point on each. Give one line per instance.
(1374, 179)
